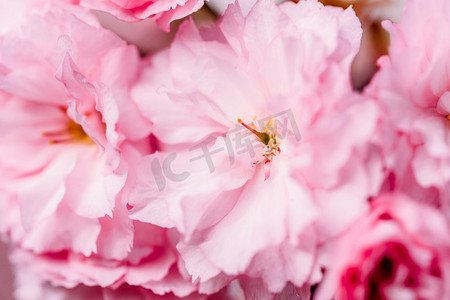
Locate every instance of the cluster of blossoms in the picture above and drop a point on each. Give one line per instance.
(236, 161)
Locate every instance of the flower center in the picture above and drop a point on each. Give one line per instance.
(271, 145)
(73, 133)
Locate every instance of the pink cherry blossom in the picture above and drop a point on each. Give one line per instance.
(237, 216)
(67, 134)
(412, 87)
(31, 285)
(151, 264)
(165, 11)
(65, 109)
(400, 250)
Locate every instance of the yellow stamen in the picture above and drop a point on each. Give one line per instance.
(73, 133)
(263, 137)
(268, 138)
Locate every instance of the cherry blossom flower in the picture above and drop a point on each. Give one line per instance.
(151, 264)
(412, 87)
(67, 115)
(65, 109)
(259, 215)
(400, 250)
(31, 285)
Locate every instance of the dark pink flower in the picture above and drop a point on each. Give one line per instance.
(400, 250)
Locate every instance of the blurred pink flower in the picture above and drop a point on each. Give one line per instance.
(151, 264)
(30, 285)
(400, 250)
(413, 90)
(69, 133)
(72, 138)
(265, 220)
(165, 11)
